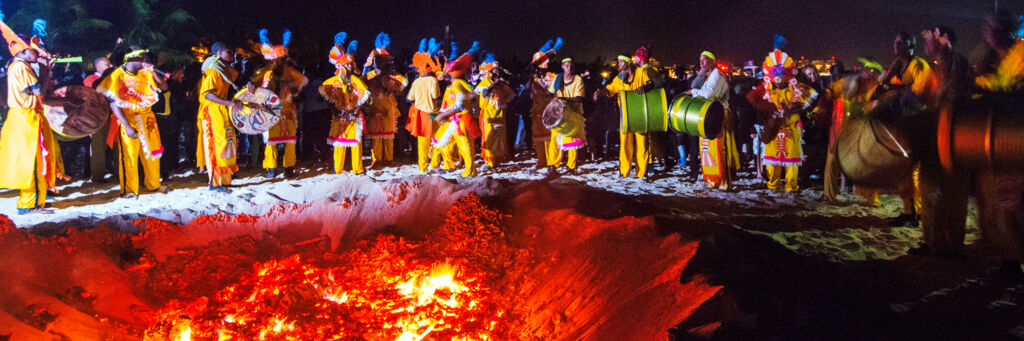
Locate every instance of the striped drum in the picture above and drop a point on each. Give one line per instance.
(697, 116)
(644, 113)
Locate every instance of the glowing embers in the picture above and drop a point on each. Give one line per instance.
(388, 288)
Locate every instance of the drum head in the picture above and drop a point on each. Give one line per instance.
(553, 113)
(84, 112)
(714, 119)
(253, 122)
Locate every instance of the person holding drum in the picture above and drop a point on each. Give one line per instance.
(348, 93)
(28, 151)
(132, 89)
(634, 75)
(425, 96)
(458, 124)
(541, 97)
(217, 139)
(719, 157)
(567, 88)
(495, 96)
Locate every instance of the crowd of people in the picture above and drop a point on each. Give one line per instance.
(781, 122)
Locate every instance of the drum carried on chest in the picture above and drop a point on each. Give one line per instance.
(562, 118)
(697, 116)
(647, 112)
(83, 113)
(252, 121)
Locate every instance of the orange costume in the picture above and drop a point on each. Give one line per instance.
(424, 94)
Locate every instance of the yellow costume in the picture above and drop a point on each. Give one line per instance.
(382, 114)
(493, 146)
(641, 76)
(424, 94)
(347, 123)
(217, 140)
(784, 153)
(135, 94)
(28, 151)
(286, 82)
(460, 129)
(571, 89)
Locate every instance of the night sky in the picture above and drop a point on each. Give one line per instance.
(678, 30)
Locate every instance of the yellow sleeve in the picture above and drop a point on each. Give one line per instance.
(23, 78)
(1009, 76)
(576, 90)
(111, 84)
(615, 87)
(210, 83)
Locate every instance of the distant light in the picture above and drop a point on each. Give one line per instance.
(604, 74)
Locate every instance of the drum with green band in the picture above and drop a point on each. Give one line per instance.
(697, 116)
(644, 113)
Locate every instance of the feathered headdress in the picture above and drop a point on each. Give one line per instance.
(271, 51)
(489, 63)
(339, 55)
(460, 66)
(540, 58)
(778, 67)
(38, 33)
(380, 44)
(14, 43)
(423, 60)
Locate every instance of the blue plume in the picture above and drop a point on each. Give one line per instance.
(263, 36)
(490, 59)
(39, 28)
(339, 39)
(546, 47)
(434, 45)
(423, 45)
(558, 44)
(1020, 21)
(474, 48)
(780, 42)
(455, 52)
(382, 41)
(352, 47)
(286, 37)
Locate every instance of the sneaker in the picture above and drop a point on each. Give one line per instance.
(289, 172)
(271, 173)
(130, 196)
(220, 189)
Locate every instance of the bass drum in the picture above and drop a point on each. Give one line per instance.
(83, 113)
(697, 116)
(644, 113)
(562, 118)
(873, 153)
(251, 121)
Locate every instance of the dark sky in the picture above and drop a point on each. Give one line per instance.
(678, 30)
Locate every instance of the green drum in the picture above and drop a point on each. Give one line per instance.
(697, 116)
(562, 118)
(644, 113)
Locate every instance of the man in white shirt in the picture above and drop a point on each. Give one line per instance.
(719, 157)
